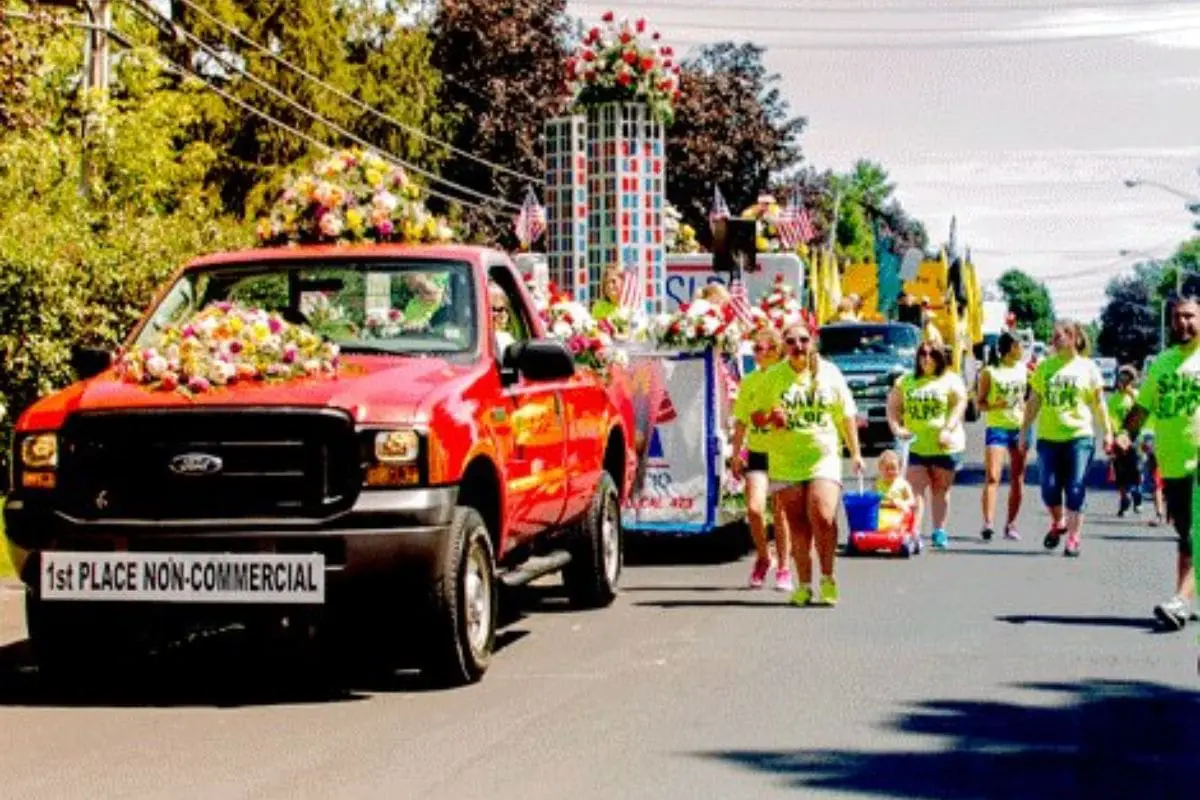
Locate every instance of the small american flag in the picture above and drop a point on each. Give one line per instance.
(793, 225)
(739, 302)
(631, 289)
(530, 222)
(720, 209)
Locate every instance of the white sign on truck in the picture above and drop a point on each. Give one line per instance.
(686, 273)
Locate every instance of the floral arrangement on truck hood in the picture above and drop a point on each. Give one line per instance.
(226, 344)
(351, 196)
(614, 64)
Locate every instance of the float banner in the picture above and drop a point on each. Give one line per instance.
(676, 491)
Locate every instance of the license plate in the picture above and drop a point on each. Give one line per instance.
(243, 578)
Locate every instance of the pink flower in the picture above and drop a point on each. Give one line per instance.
(198, 384)
(275, 324)
(290, 354)
(385, 228)
(641, 26)
(575, 345)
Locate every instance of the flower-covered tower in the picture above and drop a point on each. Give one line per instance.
(627, 89)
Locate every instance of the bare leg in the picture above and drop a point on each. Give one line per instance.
(1187, 583)
(783, 538)
(940, 482)
(993, 464)
(795, 505)
(823, 499)
(918, 478)
(1016, 488)
(756, 504)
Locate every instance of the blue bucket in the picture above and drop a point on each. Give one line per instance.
(862, 510)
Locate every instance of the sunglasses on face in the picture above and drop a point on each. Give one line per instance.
(924, 354)
(763, 348)
(499, 309)
(795, 342)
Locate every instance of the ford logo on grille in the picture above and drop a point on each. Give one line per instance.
(196, 464)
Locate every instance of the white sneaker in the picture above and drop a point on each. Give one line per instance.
(1174, 613)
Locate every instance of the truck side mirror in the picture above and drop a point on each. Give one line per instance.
(540, 360)
(88, 362)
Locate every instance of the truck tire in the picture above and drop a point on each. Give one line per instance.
(462, 627)
(597, 549)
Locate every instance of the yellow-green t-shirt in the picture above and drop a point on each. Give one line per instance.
(1067, 389)
(927, 405)
(1119, 405)
(748, 401)
(420, 311)
(1007, 385)
(1171, 393)
(810, 447)
(603, 309)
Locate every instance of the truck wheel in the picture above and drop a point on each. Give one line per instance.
(463, 624)
(594, 571)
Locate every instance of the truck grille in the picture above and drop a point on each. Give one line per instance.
(208, 464)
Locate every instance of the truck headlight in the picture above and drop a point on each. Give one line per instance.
(397, 447)
(39, 451)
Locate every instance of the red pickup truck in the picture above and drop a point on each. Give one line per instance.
(452, 448)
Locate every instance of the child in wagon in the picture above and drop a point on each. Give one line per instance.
(899, 499)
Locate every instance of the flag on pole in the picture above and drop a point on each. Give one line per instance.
(530, 221)
(794, 225)
(739, 302)
(631, 289)
(720, 209)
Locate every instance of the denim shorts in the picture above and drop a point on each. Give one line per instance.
(950, 462)
(1008, 438)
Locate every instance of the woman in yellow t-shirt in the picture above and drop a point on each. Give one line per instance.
(1126, 462)
(927, 406)
(610, 295)
(1002, 390)
(806, 399)
(768, 347)
(1067, 402)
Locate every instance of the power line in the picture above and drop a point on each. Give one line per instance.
(355, 101)
(968, 8)
(141, 7)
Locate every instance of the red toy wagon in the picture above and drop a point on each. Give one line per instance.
(874, 529)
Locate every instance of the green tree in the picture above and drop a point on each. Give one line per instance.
(1028, 301)
(361, 47)
(503, 76)
(1129, 322)
(732, 129)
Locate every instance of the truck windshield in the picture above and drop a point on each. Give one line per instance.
(399, 307)
(850, 340)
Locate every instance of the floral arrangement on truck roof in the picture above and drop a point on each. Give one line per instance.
(351, 196)
(226, 344)
(614, 64)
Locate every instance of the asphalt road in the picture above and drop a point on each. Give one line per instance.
(990, 671)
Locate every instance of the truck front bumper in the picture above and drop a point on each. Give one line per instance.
(387, 538)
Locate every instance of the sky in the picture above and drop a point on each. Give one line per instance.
(1023, 119)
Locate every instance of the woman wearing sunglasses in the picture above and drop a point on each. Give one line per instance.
(768, 347)
(927, 406)
(1067, 401)
(806, 400)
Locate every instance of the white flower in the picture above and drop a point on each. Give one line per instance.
(700, 308)
(156, 366)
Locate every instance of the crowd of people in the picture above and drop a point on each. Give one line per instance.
(794, 415)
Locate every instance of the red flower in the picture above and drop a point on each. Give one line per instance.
(647, 64)
(641, 26)
(630, 57)
(668, 51)
(624, 78)
(626, 37)
(608, 16)
(683, 307)
(656, 36)
(588, 56)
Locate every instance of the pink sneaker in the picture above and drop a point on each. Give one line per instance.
(783, 580)
(759, 575)
(1010, 532)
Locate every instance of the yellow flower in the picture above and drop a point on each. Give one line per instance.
(761, 244)
(354, 220)
(236, 324)
(260, 331)
(373, 178)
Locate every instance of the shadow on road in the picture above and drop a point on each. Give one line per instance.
(667, 550)
(1144, 622)
(780, 600)
(1111, 739)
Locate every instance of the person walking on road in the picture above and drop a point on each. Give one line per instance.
(928, 406)
(1171, 394)
(806, 399)
(1126, 461)
(1066, 401)
(768, 345)
(1002, 390)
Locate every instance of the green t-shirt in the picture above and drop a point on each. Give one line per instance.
(927, 405)
(1119, 405)
(603, 309)
(420, 311)
(1007, 385)
(748, 401)
(810, 446)
(1067, 389)
(1171, 393)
